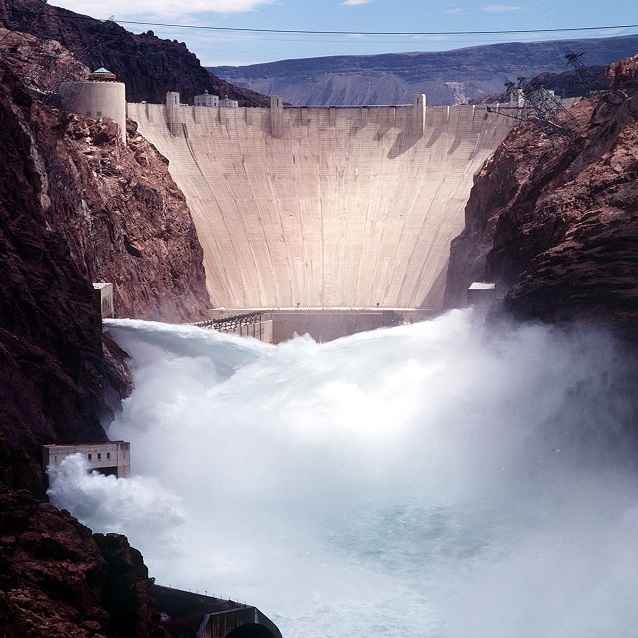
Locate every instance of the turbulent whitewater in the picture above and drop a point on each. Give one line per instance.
(432, 480)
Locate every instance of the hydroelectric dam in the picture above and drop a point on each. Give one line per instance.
(324, 209)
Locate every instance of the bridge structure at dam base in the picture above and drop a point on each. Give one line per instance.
(283, 324)
(316, 210)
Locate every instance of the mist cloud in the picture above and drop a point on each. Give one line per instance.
(426, 480)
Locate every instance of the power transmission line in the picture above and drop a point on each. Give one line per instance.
(364, 33)
(408, 33)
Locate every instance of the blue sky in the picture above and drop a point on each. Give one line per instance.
(215, 48)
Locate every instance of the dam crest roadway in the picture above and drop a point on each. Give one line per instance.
(304, 207)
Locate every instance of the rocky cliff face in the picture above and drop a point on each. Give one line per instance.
(51, 374)
(75, 207)
(123, 218)
(148, 65)
(554, 218)
(57, 579)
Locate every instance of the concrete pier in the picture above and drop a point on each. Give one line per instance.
(419, 115)
(104, 299)
(481, 295)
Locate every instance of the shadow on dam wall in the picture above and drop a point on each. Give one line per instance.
(324, 207)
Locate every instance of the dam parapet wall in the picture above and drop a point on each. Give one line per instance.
(324, 207)
(282, 121)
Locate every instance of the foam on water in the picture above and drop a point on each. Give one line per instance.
(432, 480)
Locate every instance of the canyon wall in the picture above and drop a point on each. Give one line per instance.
(51, 373)
(124, 219)
(148, 65)
(324, 207)
(57, 579)
(554, 218)
(75, 207)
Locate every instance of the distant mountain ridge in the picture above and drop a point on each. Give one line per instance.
(447, 77)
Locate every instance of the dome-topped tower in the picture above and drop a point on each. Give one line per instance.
(102, 75)
(100, 95)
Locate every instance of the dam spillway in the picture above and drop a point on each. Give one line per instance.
(324, 207)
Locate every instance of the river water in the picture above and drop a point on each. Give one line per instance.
(433, 480)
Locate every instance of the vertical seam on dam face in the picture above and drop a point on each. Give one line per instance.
(320, 206)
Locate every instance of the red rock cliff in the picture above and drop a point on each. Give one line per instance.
(124, 219)
(148, 65)
(554, 219)
(57, 579)
(51, 370)
(75, 207)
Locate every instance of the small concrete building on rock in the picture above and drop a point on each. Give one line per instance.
(112, 458)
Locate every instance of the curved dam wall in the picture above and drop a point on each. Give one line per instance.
(324, 207)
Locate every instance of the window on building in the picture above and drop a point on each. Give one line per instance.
(99, 113)
(90, 456)
(99, 456)
(108, 455)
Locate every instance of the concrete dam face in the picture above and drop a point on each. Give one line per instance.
(324, 208)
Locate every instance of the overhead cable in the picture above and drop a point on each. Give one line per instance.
(362, 33)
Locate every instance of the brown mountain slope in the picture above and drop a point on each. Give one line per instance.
(554, 219)
(51, 370)
(147, 65)
(446, 77)
(75, 207)
(124, 219)
(57, 579)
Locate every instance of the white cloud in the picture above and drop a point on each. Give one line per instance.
(454, 11)
(124, 8)
(499, 8)
(354, 3)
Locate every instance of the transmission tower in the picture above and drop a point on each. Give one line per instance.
(531, 101)
(548, 109)
(575, 61)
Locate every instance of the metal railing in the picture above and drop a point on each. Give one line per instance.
(252, 321)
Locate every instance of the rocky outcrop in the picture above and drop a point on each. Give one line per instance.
(75, 207)
(57, 579)
(124, 218)
(554, 218)
(147, 65)
(51, 367)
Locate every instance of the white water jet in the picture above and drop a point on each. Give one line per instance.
(431, 480)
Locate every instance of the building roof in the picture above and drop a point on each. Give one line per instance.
(102, 74)
(92, 444)
(482, 285)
